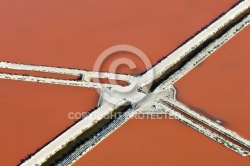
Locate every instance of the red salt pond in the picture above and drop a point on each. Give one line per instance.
(73, 34)
(33, 114)
(159, 142)
(220, 86)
